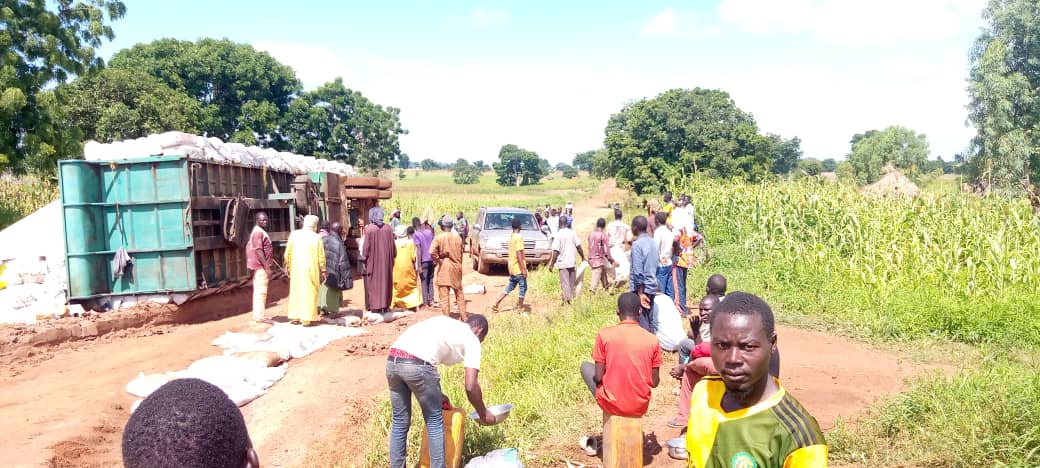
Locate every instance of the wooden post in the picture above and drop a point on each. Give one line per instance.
(622, 442)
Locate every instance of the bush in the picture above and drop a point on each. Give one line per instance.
(569, 172)
(465, 174)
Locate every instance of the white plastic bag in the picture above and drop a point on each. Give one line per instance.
(501, 458)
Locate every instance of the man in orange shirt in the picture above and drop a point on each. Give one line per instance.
(627, 363)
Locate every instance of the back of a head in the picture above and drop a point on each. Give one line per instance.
(186, 423)
(742, 303)
(617, 214)
(416, 222)
(515, 222)
(601, 223)
(628, 304)
(717, 285)
(661, 217)
(478, 321)
(639, 224)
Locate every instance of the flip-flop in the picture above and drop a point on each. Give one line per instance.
(675, 422)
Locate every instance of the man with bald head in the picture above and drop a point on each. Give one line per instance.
(259, 260)
(338, 274)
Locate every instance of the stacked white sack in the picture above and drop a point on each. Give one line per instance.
(33, 253)
(211, 149)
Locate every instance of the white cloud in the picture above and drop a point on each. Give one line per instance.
(488, 18)
(678, 23)
(851, 22)
(665, 23)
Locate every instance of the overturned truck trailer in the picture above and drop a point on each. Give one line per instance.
(183, 223)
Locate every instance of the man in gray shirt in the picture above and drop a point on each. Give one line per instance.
(565, 245)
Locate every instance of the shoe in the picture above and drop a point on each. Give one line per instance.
(494, 309)
(589, 445)
(676, 422)
(295, 322)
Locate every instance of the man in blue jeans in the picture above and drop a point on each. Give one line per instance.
(517, 266)
(411, 368)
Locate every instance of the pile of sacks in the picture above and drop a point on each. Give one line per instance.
(32, 267)
(211, 149)
(251, 363)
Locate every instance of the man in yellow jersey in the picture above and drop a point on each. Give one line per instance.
(743, 418)
(517, 267)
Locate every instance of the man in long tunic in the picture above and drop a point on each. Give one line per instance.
(377, 257)
(337, 271)
(305, 259)
(446, 252)
(406, 270)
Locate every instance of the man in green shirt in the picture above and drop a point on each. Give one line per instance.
(743, 418)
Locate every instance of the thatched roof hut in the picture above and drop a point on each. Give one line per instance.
(891, 183)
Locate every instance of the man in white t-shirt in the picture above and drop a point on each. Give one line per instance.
(566, 247)
(553, 222)
(619, 234)
(664, 239)
(411, 368)
(665, 322)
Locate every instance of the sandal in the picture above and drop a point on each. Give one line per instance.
(675, 422)
(494, 309)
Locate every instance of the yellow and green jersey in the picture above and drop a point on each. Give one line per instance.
(777, 432)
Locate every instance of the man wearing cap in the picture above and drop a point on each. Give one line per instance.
(338, 274)
(376, 260)
(446, 253)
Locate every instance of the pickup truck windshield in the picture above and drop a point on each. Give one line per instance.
(505, 220)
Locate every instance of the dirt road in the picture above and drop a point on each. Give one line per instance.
(68, 406)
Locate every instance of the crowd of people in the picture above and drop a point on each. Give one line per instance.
(731, 405)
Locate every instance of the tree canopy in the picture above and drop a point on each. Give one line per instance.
(244, 90)
(899, 146)
(583, 161)
(464, 173)
(518, 166)
(335, 122)
(1004, 83)
(120, 104)
(40, 47)
(681, 131)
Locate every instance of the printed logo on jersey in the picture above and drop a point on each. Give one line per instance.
(743, 460)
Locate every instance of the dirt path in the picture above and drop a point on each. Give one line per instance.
(68, 407)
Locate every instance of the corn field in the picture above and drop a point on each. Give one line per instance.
(955, 249)
(20, 196)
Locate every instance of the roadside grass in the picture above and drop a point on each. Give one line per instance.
(436, 189)
(530, 361)
(20, 196)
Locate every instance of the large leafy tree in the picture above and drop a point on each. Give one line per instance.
(43, 43)
(464, 173)
(517, 166)
(245, 91)
(583, 161)
(1004, 88)
(899, 146)
(336, 122)
(120, 104)
(682, 131)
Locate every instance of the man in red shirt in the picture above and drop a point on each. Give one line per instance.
(627, 363)
(259, 259)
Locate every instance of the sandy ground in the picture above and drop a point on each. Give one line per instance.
(67, 406)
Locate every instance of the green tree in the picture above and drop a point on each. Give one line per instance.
(829, 165)
(583, 161)
(545, 165)
(602, 166)
(480, 165)
(518, 166)
(336, 122)
(41, 47)
(845, 172)
(429, 164)
(120, 104)
(569, 172)
(810, 167)
(784, 153)
(464, 173)
(245, 91)
(899, 146)
(403, 161)
(653, 141)
(561, 166)
(1004, 83)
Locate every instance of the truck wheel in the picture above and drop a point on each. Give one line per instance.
(483, 268)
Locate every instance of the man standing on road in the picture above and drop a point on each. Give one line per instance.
(338, 274)
(664, 239)
(517, 266)
(553, 222)
(411, 369)
(446, 253)
(305, 259)
(619, 235)
(376, 260)
(626, 364)
(566, 247)
(643, 276)
(461, 226)
(260, 259)
(600, 259)
(423, 238)
(744, 417)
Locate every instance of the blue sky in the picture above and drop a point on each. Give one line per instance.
(470, 76)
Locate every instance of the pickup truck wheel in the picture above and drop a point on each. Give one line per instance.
(483, 268)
